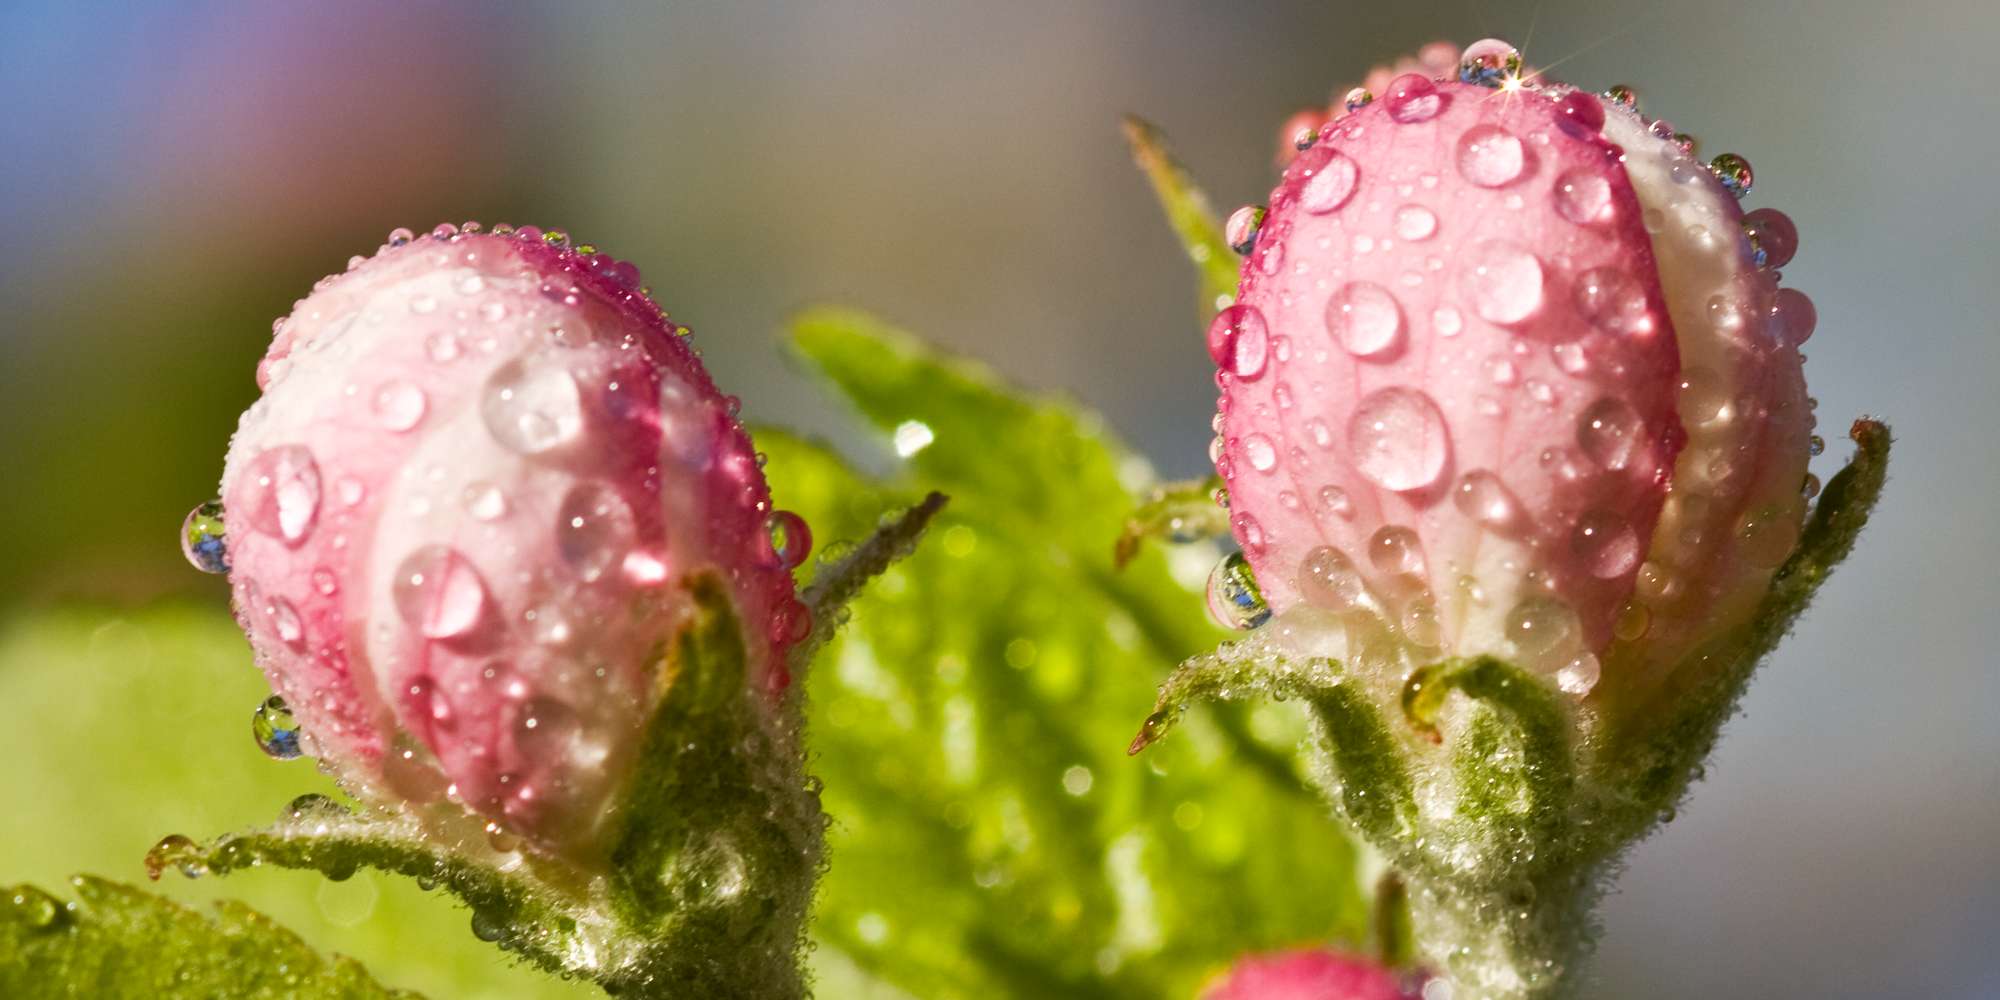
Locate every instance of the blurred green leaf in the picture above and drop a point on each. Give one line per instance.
(1188, 211)
(990, 836)
(128, 725)
(116, 941)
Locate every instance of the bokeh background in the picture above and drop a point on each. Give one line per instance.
(174, 175)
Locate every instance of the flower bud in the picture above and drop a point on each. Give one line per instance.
(1308, 975)
(1507, 377)
(465, 517)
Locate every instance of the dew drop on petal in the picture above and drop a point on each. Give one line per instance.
(1396, 551)
(484, 501)
(1234, 600)
(1415, 223)
(594, 529)
(1793, 316)
(1398, 438)
(398, 404)
(1540, 626)
(1490, 156)
(1447, 321)
(1504, 282)
(1238, 341)
(1261, 453)
(1329, 579)
(1331, 185)
(283, 493)
(285, 621)
(1613, 301)
(1365, 319)
(439, 593)
(1606, 543)
(1481, 495)
(1413, 97)
(1579, 675)
(789, 536)
(1583, 197)
(532, 408)
(275, 729)
(203, 539)
(1580, 114)
(1609, 431)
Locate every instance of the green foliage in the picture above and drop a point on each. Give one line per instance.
(116, 941)
(1188, 211)
(989, 835)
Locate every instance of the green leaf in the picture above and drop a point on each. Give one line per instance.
(989, 835)
(115, 941)
(1188, 211)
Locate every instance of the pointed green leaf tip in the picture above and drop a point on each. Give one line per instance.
(1188, 211)
(113, 941)
(988, 835)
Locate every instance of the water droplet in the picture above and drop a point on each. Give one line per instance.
(1583, 197)
(1398, 438)
(439, 593)
(1357, 98)
(1238, 341)
(1396, 551)
(325, 582)
(1334, 500)
(1623, 96)
(1331, 184)
(1447, 321)
(1768, 537)
(1734, 173)
(1579, 675)
(484, 501)
(1234, 600)
(1632, 622)
(594, 529)
(203, 539)
(1613, 301)
(1262, 455)
(487, 927)
(532, 408)
(34, 907)
(1241, 229)
(441, 346)
(1793, 316)
(1540, 627)
(1489, 62)
(275, 730)
(790, 538)
(1609, 431)
(283, 493)
(350, 491)
(1421, 624)
(1580, 114)
(545, 729)
(1415, 222)
(398, 404)
(285, 621)
(424, 305)
(1365, 318)
(1606, 543)
(1504, 282)
(548, 625)
(1329, 579)
(400, 236)
(1773, 234)
(1484, 498)
(1413, 97)
(1490, 156)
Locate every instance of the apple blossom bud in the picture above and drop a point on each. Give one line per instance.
(465, 516)
(1505, 376)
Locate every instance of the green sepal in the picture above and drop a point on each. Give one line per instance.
(1189, 212)
(114, 942)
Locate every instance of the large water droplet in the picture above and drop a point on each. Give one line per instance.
(1260, 452)
(1793, 316)
(1234, 600)
(1331, 184)
(1481, 495)
(1329, 579)
(1606, 543)
(1398, 438)
(286, 622)
(1413, 97)
(1613, 301)
(1579, 675)
(789, 536)
(203, 539)
(439, 593)
(1365, 318)
(1490, 156)
(1238, 341)
(1540, 627)
(1396, 551)
(275, 730)
(283, 493)
(1580, 114)
(532, 407)
(1734, 173)
(1489, 62)
(1504, 282)
(594, 529)
(1583, 196)
(398, 404)
(1773, 234)
(1609, 431)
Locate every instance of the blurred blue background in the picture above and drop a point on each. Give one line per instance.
(175, 175)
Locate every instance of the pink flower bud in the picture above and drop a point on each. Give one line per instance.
(1308, 975)
(1437, 59)
(1520, 385)
(464, 516)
